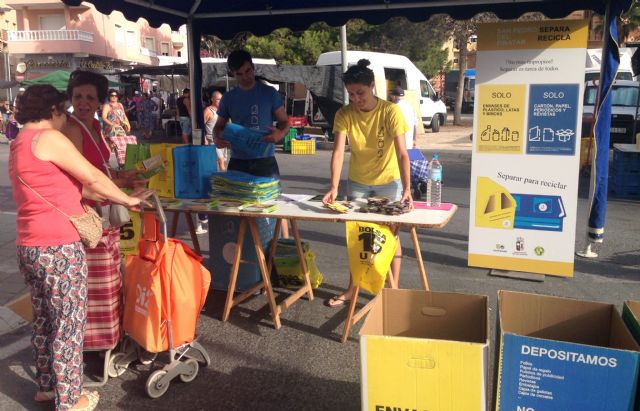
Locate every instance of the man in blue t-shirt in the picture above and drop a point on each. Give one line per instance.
(253, 105)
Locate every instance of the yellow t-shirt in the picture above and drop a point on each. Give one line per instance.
(371, 141)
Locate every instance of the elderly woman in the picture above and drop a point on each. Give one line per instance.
(87, 91)
(379, 162)
(49, 178)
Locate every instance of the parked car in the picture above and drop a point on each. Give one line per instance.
(625, 114)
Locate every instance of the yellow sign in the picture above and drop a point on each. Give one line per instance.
(546, 34)
(500, 125)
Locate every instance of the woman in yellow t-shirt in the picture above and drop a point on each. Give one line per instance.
(379, 163)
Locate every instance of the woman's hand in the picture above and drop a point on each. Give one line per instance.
(138, 197)
(127, 127)
(330, 197)
(407, 198)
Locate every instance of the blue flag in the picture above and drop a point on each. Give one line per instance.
(602, 129)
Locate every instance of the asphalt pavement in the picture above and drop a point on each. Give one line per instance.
(303, 365)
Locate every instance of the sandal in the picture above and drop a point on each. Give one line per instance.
(45, 396)
(336, 301)
(92, 398)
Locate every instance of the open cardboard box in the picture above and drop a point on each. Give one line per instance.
(564, 354)
(631, 317)
(425, 351)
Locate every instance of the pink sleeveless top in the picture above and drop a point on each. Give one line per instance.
(38, 223)
(90, 152)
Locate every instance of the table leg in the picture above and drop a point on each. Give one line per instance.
(266, 275)
(192, 232)
(274, 243)
(352, 308)
(234, 270)
(416, 247)
(303, 261)
(174, 224)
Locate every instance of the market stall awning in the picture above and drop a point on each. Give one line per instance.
(226, 18)
(59, 79)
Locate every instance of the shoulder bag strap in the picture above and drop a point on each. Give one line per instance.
(42, 198)
(104, 161)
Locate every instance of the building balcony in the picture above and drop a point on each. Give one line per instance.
(50, 42)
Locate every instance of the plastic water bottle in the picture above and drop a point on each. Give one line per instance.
(434, 184)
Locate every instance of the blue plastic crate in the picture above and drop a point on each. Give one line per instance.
(193, 167)
(622, 191)
(625, 179)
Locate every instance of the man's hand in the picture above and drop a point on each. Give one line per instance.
(275, 136)
(220, 143)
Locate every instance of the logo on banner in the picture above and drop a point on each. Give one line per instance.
(142, 300)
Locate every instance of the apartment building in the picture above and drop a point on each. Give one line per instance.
(50, 36)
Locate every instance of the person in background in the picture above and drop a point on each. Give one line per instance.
(379, 162)
(137, 101)
(4, 112)
(397, 96)
(157, 114)
(210, 118)
(49, 177)
(114, 117)
(253, 105)
(130, 109)
(183, 114)
(148, 122)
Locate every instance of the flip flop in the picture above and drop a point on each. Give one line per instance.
(336, 301)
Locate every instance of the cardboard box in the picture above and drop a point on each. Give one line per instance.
(425, 351)
(563, 354)
(631, 317)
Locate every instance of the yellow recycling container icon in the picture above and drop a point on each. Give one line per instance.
(495, 206)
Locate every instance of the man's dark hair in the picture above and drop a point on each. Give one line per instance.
(38, 102)
(359, 74)
(237, 58)
(186, 90)
(81, 77)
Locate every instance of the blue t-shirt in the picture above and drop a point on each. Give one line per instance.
(253, 109)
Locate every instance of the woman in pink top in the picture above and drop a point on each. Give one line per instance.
(49, 178)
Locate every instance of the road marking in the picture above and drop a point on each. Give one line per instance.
(15, 347)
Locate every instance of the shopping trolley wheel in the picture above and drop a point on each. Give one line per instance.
(116, 367)
(192, 366)
(155, 387)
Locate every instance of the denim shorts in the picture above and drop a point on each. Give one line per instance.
(259, 167)
(392, 190)
(185, 125)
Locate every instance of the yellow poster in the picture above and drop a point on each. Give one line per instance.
(500, 125)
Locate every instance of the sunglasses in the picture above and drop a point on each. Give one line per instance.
(113, 95)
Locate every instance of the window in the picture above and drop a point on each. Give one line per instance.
(425, 89)
(179, 53)
(52, 22)
(150, 43)
(395, 78)
(164, 48)
(131, 39)
(119, 34)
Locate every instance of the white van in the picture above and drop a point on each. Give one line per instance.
(393, 70)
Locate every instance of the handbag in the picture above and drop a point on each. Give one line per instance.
(88, 224)
(115, 215)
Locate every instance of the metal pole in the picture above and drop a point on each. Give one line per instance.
(343, 51)
(192, 71)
